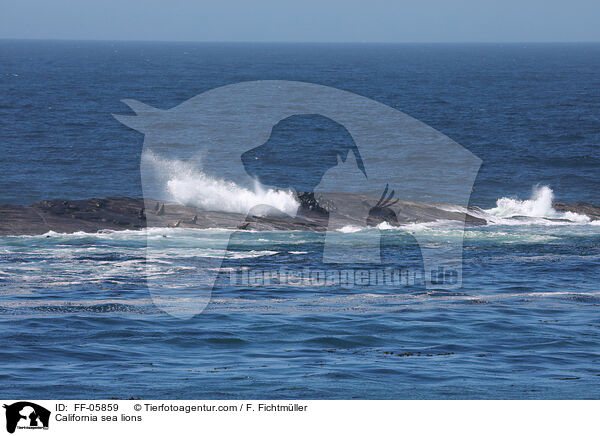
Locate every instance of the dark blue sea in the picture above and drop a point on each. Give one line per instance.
(77, 319)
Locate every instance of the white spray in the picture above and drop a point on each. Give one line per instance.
(187, 184)
(538, 206)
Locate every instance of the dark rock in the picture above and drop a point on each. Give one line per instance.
(309, 206)
(121, 213)
(579, 207)
(67, 216)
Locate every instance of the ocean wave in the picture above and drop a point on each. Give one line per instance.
(187, 184)
(352, 229)
(537, 210)
(538, 206)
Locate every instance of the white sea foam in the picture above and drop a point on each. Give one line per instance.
(432, 225)
(385, 226)
(351, 229)
(188, 184)
(538, 206)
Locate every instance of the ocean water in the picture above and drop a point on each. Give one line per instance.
(77, 319)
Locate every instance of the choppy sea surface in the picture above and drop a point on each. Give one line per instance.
(77, 319)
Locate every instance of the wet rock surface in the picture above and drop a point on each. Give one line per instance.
(123, 213)
(579, 207)
(68, 216)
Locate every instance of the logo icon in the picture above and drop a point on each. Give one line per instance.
(26, 415)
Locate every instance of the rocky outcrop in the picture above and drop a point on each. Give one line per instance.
(122, 213)
(68, 216)
(579, 207)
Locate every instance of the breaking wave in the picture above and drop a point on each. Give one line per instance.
(538, 206)
(187, 184)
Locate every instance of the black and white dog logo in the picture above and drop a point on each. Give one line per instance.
(26, 415)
